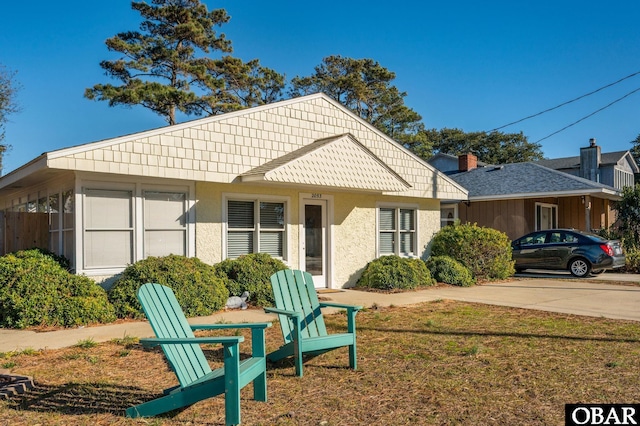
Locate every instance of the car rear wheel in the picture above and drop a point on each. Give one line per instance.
(579, 267)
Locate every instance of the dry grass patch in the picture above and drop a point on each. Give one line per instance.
(435, 363)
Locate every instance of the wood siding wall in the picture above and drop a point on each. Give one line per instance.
(518, 217)
(24, 231)
(509, 216)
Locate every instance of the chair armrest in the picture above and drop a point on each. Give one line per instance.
(251, 325)
(226, 340)
(283, 312)
(339, 305)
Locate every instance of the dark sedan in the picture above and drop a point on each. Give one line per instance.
(567, 249)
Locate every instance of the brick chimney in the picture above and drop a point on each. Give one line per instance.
(590, 158)
(467, 162)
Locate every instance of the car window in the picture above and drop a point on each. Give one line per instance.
(569, 238)
(537, 238)
(556, 237)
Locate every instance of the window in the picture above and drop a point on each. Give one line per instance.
(448, 215)
(116, 233)
(108, 233)
(255, 226)
(165, 225)
(54, 223)
(546, 216)
(397, 231)
(537, 238)
(68, 224)
(61, 223)
(623, 179)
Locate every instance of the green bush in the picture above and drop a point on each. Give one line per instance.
(632, 261)
(252, 273)
(486, 252)
(448, 270)
(61, 260)
(197, 288)
(395, 273)
(35, 290)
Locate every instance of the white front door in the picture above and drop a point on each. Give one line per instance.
(315, 242)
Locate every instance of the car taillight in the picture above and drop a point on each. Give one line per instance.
(607, 249)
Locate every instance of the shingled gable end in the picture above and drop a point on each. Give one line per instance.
(304, 179)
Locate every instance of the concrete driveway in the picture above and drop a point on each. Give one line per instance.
(608, 295)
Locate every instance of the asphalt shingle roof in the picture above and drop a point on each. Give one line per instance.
(522, 178)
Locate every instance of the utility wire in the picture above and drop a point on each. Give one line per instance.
(587, 116)
(568, 102)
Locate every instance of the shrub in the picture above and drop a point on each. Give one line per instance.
(61, 260)
(448, 270)
(35, 290)
(395, 273)
(252, 273)
(486, 252)
(197, 289)
(632, 261)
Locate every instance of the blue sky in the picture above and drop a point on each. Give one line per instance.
(467, 64)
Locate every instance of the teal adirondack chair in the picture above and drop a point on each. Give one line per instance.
(301, 320)
(182, 349)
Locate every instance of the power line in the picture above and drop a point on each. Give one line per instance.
(589, 115)
(568, 102)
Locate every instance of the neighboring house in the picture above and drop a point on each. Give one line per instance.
(523, 197)
(615, 169)
(304, 180)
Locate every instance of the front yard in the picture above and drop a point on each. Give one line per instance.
(436, 363)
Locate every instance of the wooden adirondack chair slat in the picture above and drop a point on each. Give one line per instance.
(182, 349)
(301, 320)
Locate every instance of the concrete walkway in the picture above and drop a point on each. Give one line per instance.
(603, 296)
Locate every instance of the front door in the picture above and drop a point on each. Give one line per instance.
(314, 246)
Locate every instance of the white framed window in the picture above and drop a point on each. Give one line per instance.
(546, 216)
(165, 223)
(397, 231)
(61, 209)
(622, 179)
(127, 222)
(448, 214)
(108, 228)
(255, 225)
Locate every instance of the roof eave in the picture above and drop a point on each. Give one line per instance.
(601, 192)
(35, 165)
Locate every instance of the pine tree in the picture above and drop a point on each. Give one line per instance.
(165, 66)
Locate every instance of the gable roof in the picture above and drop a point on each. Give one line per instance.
(227, 147)
(606, 158)
(527, 180)
(339, 162)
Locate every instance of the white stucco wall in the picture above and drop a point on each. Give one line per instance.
(352, 218)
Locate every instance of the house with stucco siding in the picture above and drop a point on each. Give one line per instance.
(304, 180)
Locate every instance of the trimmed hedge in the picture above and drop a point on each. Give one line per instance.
(395, 273)
(35, 290)
(448, 270)
(486, 252)
(252, 273)
(197, 288)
